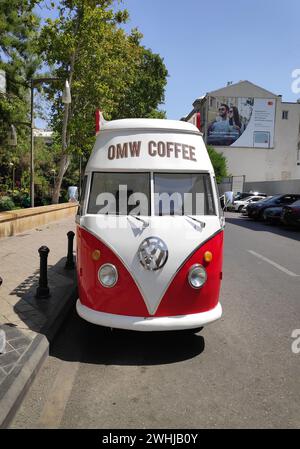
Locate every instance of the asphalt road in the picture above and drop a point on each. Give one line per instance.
(240, 372)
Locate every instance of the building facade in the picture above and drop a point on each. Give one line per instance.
(257, 132)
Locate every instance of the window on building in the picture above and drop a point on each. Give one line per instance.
(285, 115)
(212, 102)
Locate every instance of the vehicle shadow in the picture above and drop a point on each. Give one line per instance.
(81, 341)
(284, 231)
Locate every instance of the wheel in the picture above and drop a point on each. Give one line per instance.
(240, 208)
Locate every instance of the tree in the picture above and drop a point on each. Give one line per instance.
(18, 58)
(106, 69)
(219, 163)
(147, 90)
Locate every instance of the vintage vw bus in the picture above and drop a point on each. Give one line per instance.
(149, 229)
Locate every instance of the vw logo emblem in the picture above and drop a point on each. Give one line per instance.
(153, 253)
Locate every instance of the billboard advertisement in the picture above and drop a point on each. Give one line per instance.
(241, 122)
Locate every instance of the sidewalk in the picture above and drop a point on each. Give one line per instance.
(29, 323)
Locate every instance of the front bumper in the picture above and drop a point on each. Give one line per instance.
(150, 323)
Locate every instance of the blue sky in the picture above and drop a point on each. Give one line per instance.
(207, 43)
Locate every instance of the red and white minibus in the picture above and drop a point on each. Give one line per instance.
(149, 229)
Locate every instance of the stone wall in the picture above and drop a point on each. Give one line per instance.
(17, 221)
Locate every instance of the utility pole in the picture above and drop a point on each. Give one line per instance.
(31, 145)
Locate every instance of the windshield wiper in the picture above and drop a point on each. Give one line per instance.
(198, 221)
(145, 223)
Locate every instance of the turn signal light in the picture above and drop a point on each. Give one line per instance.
(96, 255)
(208, 256)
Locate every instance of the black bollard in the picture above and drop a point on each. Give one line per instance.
(70, 259)
(1, 281)
(43, 292)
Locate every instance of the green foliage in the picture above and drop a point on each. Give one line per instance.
(218, 161)
(6, 203)
(106, 68)
(18, 58)
(20, 197)
(111, 71)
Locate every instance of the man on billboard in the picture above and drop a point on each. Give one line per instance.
(219, 131)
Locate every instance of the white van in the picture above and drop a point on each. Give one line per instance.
(149, 229)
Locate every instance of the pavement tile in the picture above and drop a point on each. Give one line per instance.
(30, 332)
(20, 342)
(6, 308)
(8, 368)
(8, 358)
(22, 316)
(8, 348)
(11, 331)
(2, 374)
(22, 349)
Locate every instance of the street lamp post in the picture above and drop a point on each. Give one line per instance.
(53, 171)
(12, 165)
(31, 145)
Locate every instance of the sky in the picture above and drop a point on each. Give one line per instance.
(205, 44)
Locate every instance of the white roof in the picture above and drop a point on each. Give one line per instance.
(148, 144)
(142, 123)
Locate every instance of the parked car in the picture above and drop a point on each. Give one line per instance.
(256, 210)
(242, 195)
(238, 205)
(244, 211)
(290, 214)
(271, 215)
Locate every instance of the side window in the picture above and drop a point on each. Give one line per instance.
(286, 199)
(82, 195)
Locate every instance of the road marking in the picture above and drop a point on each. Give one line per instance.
(276, 265)
(53, 410)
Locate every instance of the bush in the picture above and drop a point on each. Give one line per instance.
(219, 163)
(21, 197)
(6, 203)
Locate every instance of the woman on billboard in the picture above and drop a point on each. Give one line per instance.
(234, 123)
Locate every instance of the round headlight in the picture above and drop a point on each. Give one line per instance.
(197, 276)
(108, 275)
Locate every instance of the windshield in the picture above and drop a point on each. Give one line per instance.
(183, 194)
(120, 194)
(130, 194)
(265, 200)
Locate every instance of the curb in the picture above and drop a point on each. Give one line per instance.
(17, 383)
